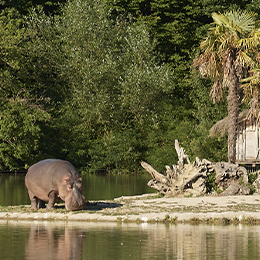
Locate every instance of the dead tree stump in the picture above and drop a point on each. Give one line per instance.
(187, 179)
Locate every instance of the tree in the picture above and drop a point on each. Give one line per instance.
(24, 6)
(110, 80)
(230, 48)
(22, 110)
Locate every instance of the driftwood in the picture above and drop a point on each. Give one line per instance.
(159, 182)
(190, 178)
(181, 155)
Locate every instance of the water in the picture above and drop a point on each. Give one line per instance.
(71, 240)
(105, 241)
(95, 187)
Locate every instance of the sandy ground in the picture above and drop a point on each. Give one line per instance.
(146, 208)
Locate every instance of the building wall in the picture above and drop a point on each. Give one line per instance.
(248, 143)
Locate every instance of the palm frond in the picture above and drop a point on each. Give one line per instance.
(208, 43)
(224, 42)
(236, 21)
(251, 42)
(250, 85)
(216, 92)
(245, 60)
(241, 20)
(207, 64)
(220, 19)
(254, 113)
(249, 82)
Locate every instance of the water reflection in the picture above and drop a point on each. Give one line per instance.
(50, 243)
(61, 240)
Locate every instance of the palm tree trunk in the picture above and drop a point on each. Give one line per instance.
(233, 104)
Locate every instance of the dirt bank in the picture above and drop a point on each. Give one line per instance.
(146, 208)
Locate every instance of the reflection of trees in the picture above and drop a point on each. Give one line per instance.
(95, 187)
(202, 242)
(13, 190)
(83, 240)
(52, 243)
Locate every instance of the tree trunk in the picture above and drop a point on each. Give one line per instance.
(231, 80)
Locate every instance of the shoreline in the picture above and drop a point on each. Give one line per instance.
(147, 208)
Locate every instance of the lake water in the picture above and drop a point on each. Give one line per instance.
(79, 240)
(95, 187)
(107, 241)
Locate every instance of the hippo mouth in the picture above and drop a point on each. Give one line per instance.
(75, 206)
(75, 203)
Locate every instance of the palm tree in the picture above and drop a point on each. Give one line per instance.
(228, 53)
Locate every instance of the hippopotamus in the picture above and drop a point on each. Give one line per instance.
(51, 179)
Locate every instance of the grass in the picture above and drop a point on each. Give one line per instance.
(131, 208)
(27, 209)
(21, 208)
(170, 219)
(225, 221)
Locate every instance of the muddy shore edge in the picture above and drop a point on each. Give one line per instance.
(148, 208)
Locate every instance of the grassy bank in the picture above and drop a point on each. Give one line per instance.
(211, 210)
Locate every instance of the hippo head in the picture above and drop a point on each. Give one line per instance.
(72, 191)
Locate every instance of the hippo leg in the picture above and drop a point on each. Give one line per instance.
(41, 204)
(33, 200)
(52, 197)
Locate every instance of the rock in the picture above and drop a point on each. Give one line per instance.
(257, 185)
(245, 190)
(227, 173)
(236, 189)
(233, 189)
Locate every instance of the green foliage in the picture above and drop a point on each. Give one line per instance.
(20, 112)
(211, 183)
(210, 6)
(106, 84)
(24, 6)
(206, 114)
(19, 134)
(251, 178)
(113, 84)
